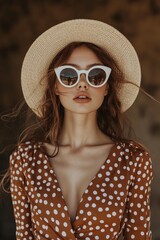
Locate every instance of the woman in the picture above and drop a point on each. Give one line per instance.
(76, 176)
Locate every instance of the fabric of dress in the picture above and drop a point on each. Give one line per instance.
(116, 201)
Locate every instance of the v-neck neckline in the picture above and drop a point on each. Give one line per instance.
(88, 186)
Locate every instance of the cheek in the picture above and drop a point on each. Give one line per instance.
(59, 87)
(60, 90)
(100, 99)
(101, 92)
(63, 93)
(99, 96)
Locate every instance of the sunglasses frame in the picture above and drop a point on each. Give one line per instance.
(79, 72)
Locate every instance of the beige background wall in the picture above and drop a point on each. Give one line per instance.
(139, 20)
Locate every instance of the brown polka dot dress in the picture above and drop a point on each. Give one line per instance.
(116, 201)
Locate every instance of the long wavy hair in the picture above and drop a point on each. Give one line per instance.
(110, 120)
(46, 128)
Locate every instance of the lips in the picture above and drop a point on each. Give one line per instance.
(82, 96)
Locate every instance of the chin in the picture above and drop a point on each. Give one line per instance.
(79, 110)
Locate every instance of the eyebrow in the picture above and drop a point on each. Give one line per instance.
(88, 66)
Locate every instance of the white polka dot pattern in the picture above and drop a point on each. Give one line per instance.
(116, 200)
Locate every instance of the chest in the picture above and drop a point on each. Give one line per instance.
(75, 171)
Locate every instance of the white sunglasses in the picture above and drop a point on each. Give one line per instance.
(69, 76)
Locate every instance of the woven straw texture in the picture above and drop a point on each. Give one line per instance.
(48, 44)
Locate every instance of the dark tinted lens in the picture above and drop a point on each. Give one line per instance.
(68, 76)
(97, 76)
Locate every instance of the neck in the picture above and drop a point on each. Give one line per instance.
(81, 130)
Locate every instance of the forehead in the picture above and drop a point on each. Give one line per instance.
(83, 56)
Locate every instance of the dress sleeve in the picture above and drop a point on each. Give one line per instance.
(19, 197)
(137, 220)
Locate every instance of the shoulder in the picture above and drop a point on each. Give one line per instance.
(136, 153)
(27, 146)
(22, 151)
(139, 156)
(134, 147)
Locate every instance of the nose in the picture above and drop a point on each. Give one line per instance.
(82, 82)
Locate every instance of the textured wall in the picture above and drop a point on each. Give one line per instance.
(139, 20)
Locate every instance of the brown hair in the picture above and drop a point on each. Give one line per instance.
(47, 128)
(109, 117)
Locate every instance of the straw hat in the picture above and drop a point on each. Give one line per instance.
(49, 43)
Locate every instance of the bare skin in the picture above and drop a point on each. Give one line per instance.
(83, 147)
(76, 169)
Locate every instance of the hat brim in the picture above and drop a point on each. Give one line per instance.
(49, 43)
